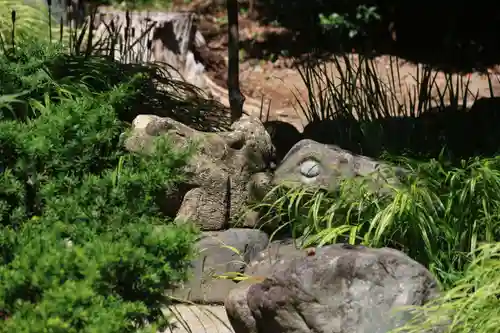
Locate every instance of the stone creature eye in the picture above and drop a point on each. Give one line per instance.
(309, 168)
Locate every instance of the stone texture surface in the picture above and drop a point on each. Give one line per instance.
(341, 288)
(219, 174)
(319, 165)
(278, 253)
(221, 252)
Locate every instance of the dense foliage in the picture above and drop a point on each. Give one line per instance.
(445, 213)
(84, 248)
(83, 245)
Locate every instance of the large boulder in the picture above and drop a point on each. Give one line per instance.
(320, 165)
(338, 288)
(225, 170)
(221, 253)
(279, 252)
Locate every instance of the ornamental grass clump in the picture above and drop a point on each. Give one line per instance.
(440, 212)
(354, 102)
(438, 215)
(471, 305)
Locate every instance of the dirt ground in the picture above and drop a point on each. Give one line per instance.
(273, 78)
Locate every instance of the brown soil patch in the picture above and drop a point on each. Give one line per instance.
(273, 78)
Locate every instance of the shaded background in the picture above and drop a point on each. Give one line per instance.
(458, 36)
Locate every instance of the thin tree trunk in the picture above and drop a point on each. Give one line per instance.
(251, 4)
(236, 99)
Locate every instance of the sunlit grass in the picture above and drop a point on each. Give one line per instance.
(471, 305)
(437, 216)
(19, 19)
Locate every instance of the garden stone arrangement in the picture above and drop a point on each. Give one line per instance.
(337, 288)
(132, 201)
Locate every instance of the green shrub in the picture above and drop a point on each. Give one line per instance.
(24, 76)
(353, 24)
(83, 245)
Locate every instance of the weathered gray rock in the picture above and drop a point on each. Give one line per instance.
(278, 253)
(220, 175)
(223, 252)
(320, 165)
(341, 289)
